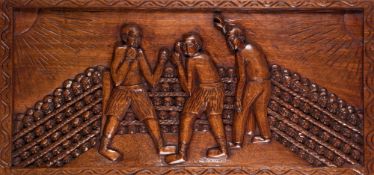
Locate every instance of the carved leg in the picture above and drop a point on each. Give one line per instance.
(143, 107)
(107, 88)
(109, 132)
(185, 135)
(155, 132)
(218, 131)
(238, 128)
(251, 93)
(260, 109)
(117, 107)
(251, 125)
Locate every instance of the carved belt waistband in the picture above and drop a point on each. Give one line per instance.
(134, 88)
(211, 85)
(259, 79)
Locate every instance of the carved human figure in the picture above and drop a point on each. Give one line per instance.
(253, 89)
(128, 67)
(207, 95)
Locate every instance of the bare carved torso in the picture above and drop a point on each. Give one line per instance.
(204, 68)
(134, 76)
(256, 65)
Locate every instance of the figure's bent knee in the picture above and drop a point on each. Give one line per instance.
(188, 115)
(215, 114)
(149, 118)
(114, 117)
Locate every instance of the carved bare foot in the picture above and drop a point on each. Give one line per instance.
(250, 135)
(259, 139)
(167, 150)
(216, 153)
(174, 159)
(111, 154)
(235, 145)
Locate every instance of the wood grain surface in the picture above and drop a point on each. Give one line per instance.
(43, 43)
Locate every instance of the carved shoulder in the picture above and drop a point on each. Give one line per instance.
(123, 47)
(120, 50)
(251, 51)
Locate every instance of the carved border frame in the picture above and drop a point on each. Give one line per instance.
(6, 80)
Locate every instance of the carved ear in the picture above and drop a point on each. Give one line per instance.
(219, 22)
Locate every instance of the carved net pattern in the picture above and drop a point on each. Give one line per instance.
(313, 123)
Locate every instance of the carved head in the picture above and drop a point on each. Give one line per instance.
(165, 87)
(234, 34)
(77, 88)
(169, 72)
(231, 73)
(177, 87)
(180, 101)
(157, 101)
(168, 101)
(192, 44)
(131, 35)
(235, 37)
(163, 115)
(222, 72)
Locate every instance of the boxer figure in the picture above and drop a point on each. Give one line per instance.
(206, 95)
(128, 68)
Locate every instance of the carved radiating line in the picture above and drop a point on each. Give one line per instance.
(52, 39)
(49, 116)
(329, 40)
(44, 32)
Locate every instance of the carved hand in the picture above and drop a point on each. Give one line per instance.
(176, 59)
(132, 53)
(238, 105)
(178, 47)
(164, 55)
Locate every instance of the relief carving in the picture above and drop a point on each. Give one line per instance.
(128, 66)
(189, 93)
(253, 88)
(63, 125)
(206, 96)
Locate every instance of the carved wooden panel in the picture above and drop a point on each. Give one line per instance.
(188, 87)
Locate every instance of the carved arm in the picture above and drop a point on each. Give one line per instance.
(240, 63)
(153, 78)
(120, 65)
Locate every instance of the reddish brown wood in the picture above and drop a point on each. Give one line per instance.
(330, 44)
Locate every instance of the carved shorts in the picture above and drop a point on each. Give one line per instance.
(121, 99)
(206, 98)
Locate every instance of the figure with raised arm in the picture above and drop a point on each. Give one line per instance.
(202, 82)
(128, 68)
(254, 87)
